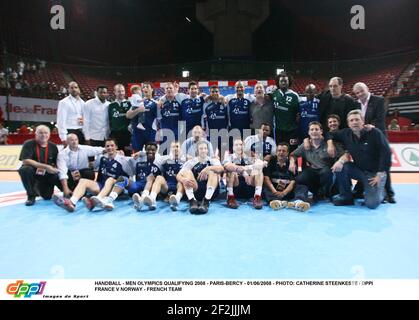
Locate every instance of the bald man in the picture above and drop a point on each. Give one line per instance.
(308, 110)
(336, 102)
(70, 114)
(73, 163)
(372, 107)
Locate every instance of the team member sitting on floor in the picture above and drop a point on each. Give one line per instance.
(200, 177)
(279, 182)
(145, 171)
(38, 172)
(167, 183)
(111, 166)
(73, 163)
(244, 177)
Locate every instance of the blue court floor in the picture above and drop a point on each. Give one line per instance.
(45, 241)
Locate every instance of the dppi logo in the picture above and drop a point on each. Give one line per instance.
(27, 290)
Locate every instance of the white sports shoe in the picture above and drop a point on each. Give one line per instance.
(138, 201)
(108, 204)
(150, 202)
(98, 201)
(173, 202)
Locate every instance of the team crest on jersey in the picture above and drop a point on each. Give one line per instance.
(288, 99)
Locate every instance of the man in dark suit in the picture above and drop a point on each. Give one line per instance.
(334, 101)
(374, 112)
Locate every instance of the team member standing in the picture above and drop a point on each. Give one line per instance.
(200, 177)
(38, 172)
(215, 118)
(238, 106)
(244, 177)
(308, 110)
(286, 104)
(70, 114)
(336, 102)
(149, 109)
(169, 114)
(96, 118)
(261, 109)
(192, 108)
(118, 121)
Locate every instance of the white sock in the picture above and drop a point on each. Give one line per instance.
(230, 191)
(178, 196)
(145, 193)
(153, 195)
(258, 190)
(189, 193)
(74, 200)
(209, 193)
(113, 195)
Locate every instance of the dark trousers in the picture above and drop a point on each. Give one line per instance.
(97, 143)
(84, 173)
(313, 180)
(123, 140)
(269, 196)
(79, 134)
(38, 185)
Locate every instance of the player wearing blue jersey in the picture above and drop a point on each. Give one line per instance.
(144, 171)
(149, 110)
(192, 108)
(168, 113)
(200, 177)
(238, 106)
(244, 177)
(215, 117)
(167, 183)
(308, 110)
(111, 166)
